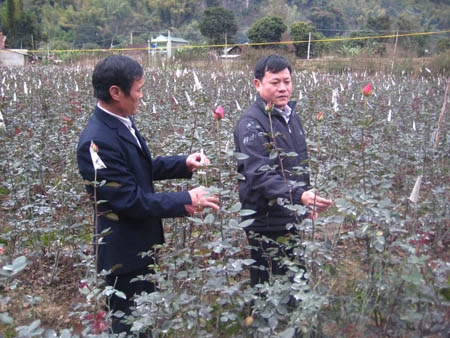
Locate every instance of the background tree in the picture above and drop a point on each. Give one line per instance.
(443, 45)
(280, 8)
(213, 3)
(329, 19)
(21, 28)
(379, 25)
(216, 23)
(267, 29)
(65, 22)
(406, 24)
(300, 32)
(174, 12)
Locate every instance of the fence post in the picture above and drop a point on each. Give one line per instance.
(169, 45)
(395, 51)
(309, 44)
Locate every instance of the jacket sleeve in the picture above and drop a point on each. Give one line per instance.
(268, 183)
(126, 197)
(170, 167)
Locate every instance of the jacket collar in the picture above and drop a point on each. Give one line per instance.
(262, 105)
(122, 131)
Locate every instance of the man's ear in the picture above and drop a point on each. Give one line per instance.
(257, 84)
(115, 92)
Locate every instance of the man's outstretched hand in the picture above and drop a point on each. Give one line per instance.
(201, 199)
(314, 202)
(196, 160)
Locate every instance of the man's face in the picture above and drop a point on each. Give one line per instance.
(129, 104)
(275, 88)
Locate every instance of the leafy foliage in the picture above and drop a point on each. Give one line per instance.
(329, 19)
(218, 22)
(404, 24)
(300, 32)
(380, 24)
(377, 263)
(21, 28)
(267, 29)
(106, 23)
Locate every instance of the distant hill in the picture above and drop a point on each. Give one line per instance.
(65, 24)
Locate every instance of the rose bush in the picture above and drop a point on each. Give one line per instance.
(374, 271)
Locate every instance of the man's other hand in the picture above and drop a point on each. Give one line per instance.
(201, 199)
(196, 160)
(314, 202)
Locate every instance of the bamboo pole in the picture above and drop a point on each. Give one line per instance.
(395, 52)
(441, 117)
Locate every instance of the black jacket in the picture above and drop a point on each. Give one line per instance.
(264, 188)
(134, 200)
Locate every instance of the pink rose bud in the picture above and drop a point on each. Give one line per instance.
(269, 107)
(94, 147)
(367, 90)
(320, 117)
(218, 113)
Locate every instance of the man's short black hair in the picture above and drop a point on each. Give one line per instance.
(118, 70)
(273, 63)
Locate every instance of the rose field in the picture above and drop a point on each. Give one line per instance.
(378, 260)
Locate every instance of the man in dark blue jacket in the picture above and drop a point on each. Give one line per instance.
(270, 133)
(124, 161)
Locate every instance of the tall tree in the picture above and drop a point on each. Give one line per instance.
(406, 24)
(380, 24)
(21, 28)
(213, 3)
(280, 8)
(300, 32)
(329, 19)
(174, 12)
(267, 29)
(216, 23)
(12, 16)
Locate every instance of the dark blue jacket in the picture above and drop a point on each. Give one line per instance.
(134, 200)
(264, 186)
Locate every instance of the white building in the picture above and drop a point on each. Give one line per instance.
(13, 57)
(161, 41)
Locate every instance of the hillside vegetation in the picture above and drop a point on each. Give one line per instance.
(67, 24)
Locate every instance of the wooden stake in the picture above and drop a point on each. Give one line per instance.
(441, 117)
(395, 51)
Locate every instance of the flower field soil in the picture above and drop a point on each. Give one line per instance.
(378, 260)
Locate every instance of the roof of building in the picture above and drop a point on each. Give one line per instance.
(19, 51)
(233, 48)
(162, 38)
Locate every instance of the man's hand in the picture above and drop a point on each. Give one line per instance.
(314, 202)
(196, 160)
(200, 199)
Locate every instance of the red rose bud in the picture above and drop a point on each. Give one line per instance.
(367, 90)
(320, 117)
(218, 113)
(269, 108)
(101, 315)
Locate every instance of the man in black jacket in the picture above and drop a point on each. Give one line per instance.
(111, 149)
(270, 133)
